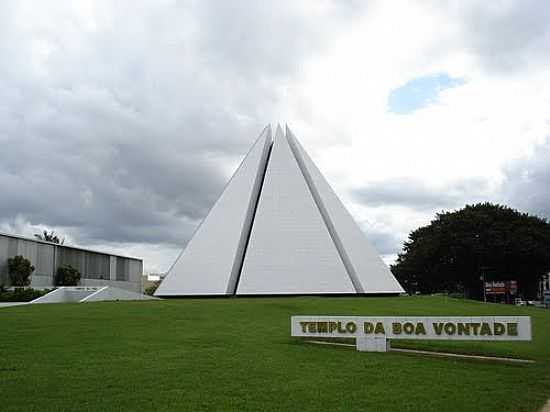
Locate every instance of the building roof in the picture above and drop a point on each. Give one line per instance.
(67, 246)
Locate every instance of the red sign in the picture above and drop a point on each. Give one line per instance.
(501, 287)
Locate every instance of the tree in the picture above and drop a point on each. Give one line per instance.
(49, 237)
(20, 270)
(67, 276)
(483, 240)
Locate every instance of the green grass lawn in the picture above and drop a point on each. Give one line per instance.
(236, 354)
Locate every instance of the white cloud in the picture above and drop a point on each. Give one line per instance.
(469, 135)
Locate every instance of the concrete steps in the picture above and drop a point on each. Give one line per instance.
(82, 294)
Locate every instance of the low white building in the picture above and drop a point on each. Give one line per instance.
(96, 268)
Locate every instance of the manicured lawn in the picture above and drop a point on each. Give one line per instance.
(236, 354)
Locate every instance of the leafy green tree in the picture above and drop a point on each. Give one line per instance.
(67, 276)
(20, 270)
(457, 249)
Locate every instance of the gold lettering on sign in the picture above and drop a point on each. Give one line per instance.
(475, 327)
(368, 327)
(379, 328)
(340, 328)
(438, 328)
(420, 330)
(396, 328)
(450, 328)
(463, 328)
(485, 329)
(412, 328)
(499, 329)
(512, 329)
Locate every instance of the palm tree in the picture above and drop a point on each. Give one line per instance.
(49, 237)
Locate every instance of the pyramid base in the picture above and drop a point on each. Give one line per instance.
(282, 295)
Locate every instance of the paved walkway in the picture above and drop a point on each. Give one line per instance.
(460, 355)
(8, 304)
(546, 408)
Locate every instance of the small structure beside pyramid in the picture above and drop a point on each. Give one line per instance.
(278, 228)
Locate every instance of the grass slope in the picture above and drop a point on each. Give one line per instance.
(236, 354)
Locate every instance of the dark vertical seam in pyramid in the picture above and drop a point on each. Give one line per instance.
(326, 218)
(239, 259)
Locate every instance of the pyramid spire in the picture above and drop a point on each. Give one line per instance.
(290, 250)
(278, 228)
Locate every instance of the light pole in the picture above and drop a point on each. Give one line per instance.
(482, 277)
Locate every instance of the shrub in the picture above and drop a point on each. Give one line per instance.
(20, 294)
(20, 270)
(67, 276)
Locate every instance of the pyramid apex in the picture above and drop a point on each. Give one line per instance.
(266, 128)
(289, 135)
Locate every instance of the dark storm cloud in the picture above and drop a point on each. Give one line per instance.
(121, 127)
(417, 195)
(527, 183)
(422, 199)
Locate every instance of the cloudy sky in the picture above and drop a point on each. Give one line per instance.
(120, 122)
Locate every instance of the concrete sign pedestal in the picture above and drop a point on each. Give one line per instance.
(372, 344)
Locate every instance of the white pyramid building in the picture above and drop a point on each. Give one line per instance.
(278, 229)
